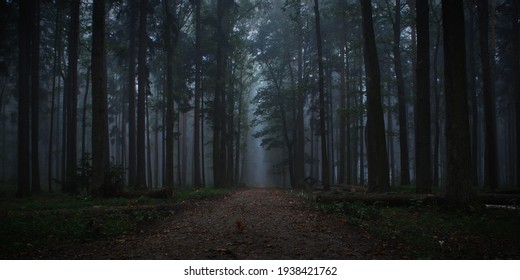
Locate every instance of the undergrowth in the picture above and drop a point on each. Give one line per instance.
(420, 231)
(47, 220)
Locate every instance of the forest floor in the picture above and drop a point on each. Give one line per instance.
(248, 224)
(255, 223)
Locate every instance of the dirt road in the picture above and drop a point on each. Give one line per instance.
(249, 224)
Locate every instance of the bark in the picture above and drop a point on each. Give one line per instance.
(141, 98)
(56, 59)
(460, 189)
(100, 145)
(72, 93)
(437, 125)
(515, 72)
(219, 122)
(377, 156)
(472, 88)
(84, 122)
(342, 118)
(196, 111)
(131, 95)
(170, 37)
(325, 172)
(35, 102)
(24, 50)
(490, 148)
(422, 128)
(401, 98)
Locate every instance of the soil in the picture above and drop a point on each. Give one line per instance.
(248, 224)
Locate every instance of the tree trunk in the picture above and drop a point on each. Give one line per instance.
(148, 147)
(515, 73)
(342, 116)
(170, 38)
(401, 98)
(422, 125)
(131, 96)
(57, 35)
(84, 123)
(490, 148)
(142, 92)
(35, 100)
(24, 80)
(100, 145)
(472, 89)
(325, 172)
(437, 94)
(72, 100)
(196, 110)
(460, 189)
(377, 156)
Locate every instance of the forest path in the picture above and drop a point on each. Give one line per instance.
(249, 224)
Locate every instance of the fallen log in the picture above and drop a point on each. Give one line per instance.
(399, 199)
(383, 199)
(152, 193)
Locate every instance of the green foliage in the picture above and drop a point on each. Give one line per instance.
(357, 213)
(205, 193)
(46, 220)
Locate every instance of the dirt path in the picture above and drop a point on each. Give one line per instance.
(249, 224)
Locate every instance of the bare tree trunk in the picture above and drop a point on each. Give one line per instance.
(35, 102)
(169, 32)
(131, 96)
(56, 60)
(148, 147)
(196, 112)
(437, 94)
(422, 128)
(72, 100)
(377, 155)
(218, 122)
(141, 99)
(472, 89)
(325, 172)
(490, 152)
(100, 145)
(84, 124)
(460, 189)
(401, 98)
(515, 72)
(24, 51)
(342, 116)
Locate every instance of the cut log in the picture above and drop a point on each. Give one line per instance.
(398, 199)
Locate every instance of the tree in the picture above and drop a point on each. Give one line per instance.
(516, 86)
(219, 123)
(377, 155)
(170, 37)
(100, 145)
(325, 172)
(72, 92)
(460, 189)
(422, 130)
(401, 97)
(490, 147)
(131, 95)
(35, 99)
(24, 50)
(196, 113)
(141, 98)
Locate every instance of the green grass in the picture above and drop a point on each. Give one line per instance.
(46, 220)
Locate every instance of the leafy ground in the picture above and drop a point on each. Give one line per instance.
(249, 224)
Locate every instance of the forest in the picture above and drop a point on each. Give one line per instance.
(350, 103)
